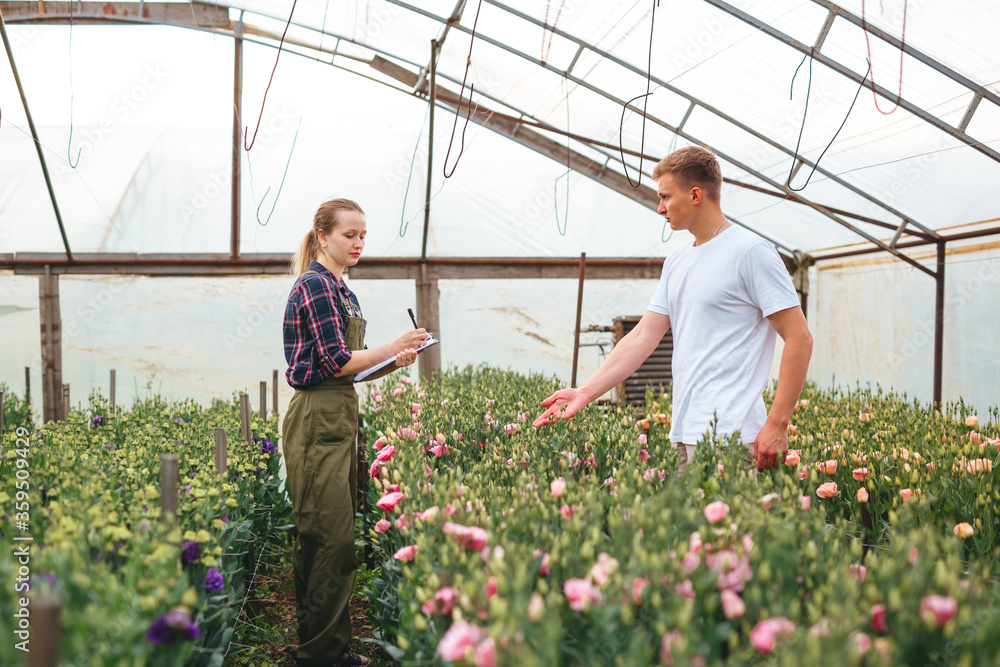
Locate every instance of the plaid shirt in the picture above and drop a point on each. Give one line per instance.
(315, 327)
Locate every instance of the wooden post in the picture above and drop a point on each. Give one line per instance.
(263, 401)
(220, 450)
(48, 297)
(245, 415)
(45, 631)
(579, 310)
(168, 486)
(65, 402)
(27, 384)
(1, 416)
(428, 296)
(111, 396)
(274, 391)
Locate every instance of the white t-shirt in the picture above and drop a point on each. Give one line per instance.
(718, 296)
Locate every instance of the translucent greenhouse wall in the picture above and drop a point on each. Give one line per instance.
(873, 322)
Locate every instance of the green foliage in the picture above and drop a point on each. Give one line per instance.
(16, 410)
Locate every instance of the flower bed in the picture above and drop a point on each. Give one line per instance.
(579, 544)
(135, 590)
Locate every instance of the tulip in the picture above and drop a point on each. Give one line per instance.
(964, 530)
(878, 619)
(905, 494)
(732, 604)
(407, 553)
(580, 593)
(828, 490)
(382, 525)
(460, 639)
(765, 634)
(860, 474)
(829, 467)
(389, 501)
(862, 495)
(716, 512)
(937, 610)
(558, 487)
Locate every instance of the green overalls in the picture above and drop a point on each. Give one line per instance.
(319, 435)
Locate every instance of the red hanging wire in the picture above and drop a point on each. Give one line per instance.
(264, 101)
(546, 48)
(902, 46)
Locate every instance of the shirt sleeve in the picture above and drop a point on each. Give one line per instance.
(326, 326)
(766, 280)
(659, 303)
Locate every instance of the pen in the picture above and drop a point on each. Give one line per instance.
(412, 318)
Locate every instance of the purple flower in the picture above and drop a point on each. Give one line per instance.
(175, 624)
(225, 518)
(99, 420)
(190, 552)
(43, 576)
(214, 581)
(268, 447)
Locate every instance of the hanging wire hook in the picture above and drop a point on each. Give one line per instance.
(562, 229)
(461, 97)
(264, 101)
(902, 48)
(69, 143)
(649, 78)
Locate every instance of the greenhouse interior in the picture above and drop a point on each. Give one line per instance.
(161, 164)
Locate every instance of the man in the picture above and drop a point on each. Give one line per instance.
(727, 295)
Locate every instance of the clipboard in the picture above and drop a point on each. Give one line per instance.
(363, 375)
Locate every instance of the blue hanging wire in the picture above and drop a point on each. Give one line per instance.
(795, 156)
(649, 77)
(403, 223)
(69, 143)
(280, 185)
(562, 229)
(461, 97)
(269, 82)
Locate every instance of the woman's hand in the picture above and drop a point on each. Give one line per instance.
(410, 340)
(405, 358)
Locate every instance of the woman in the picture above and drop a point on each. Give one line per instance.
(324, 345)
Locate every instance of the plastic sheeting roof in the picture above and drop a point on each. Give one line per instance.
(157, 123)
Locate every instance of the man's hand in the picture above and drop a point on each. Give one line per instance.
(771, 440)
(573, 400)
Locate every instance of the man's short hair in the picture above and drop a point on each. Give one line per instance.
(693, 166)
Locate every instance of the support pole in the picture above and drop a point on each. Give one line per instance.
(579, 313)
(428, 298)
(48, 297)
(221, 464)
(263, 401)
(168, 486)
(45, 631)
(1, 416)
(27, 385)
(245, 415)
(274, 391)
(65, 402)
(939, 323)
(111, 397)
(430, 148)
(234, 250)
(34, 136)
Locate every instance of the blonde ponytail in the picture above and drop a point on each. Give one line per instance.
(324, 221)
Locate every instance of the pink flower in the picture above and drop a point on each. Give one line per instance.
(829, 466)
(543, 567)
(912, 558)
(389, 501)
(860, 474)
(638, 586)
(486, 653)
(568, 512)
(460, 639)
(805, 501)
(690, 562)
(878, 619)
(407, 553)
(964, 530)
(381, 526)
(403, 521)
(380, 443)
(733, 572)
(770, 500)
(765, 634)
(580, 593)
(670, 640)
(695, 542)
(429, 514)
(732, 604)
(558, 487)
(407, 433)
(685, 589)
(487, 553)
(439, 438)
(373, 471)
(857, 572)
(652, 473)
(828, 490)
(906, 494)
(792, 459)
(605, 567)
(436, 450)
(386, 454)
(642, 439)
(861, 642)
(717, 511)
(644, 455)
(862, 495)
(443, 602)
(397, 391)
(491, 587)
(470, 537)
(937, 610)
(972, 421)
(510, 429)
(803, 472)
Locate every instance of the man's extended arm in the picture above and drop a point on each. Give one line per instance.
(791, 326)
(627, 356)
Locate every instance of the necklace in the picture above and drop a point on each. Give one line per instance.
(724, 221)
